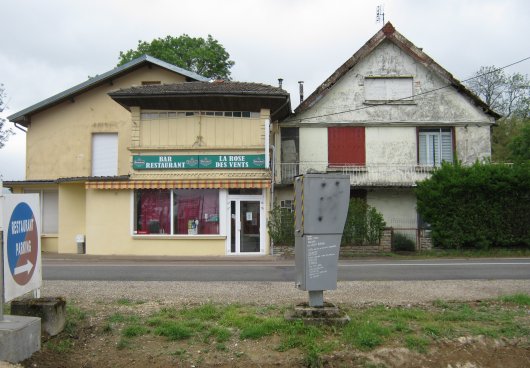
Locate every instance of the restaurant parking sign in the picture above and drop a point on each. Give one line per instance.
(22, 251)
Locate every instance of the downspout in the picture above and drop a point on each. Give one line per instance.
(19, 127)
(272, 186)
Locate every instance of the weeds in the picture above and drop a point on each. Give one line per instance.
(222, 328)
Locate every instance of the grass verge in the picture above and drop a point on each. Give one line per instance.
(222, 328)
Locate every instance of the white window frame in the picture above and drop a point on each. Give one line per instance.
(44, 219)
(435, 145)
(222, 194)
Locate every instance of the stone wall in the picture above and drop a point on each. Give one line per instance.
(385, 246)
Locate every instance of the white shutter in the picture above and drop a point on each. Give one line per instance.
(423, 148)
(50, 212)
(447, 146)
(105, 154)
(388, 89)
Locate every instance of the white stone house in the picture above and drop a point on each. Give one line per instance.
(386, 117)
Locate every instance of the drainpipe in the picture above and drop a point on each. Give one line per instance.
(272, 186)
(19, 127)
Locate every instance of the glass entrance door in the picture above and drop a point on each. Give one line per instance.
(245, 222)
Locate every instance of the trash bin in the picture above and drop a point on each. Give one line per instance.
(80, 240)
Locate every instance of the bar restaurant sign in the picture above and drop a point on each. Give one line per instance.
(168, 162)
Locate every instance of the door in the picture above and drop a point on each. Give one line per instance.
(245, 225)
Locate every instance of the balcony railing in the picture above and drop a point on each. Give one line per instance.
(367, 175)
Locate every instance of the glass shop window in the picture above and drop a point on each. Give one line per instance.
(194, 212)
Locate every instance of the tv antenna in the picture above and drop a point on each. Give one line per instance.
(380, 14)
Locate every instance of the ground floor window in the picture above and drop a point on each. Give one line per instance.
(49, 208)
(177, 211)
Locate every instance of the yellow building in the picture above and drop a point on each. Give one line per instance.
(151, 159)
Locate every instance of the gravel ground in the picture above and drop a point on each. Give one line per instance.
(263, 293)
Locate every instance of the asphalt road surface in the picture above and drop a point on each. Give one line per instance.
(102, 269)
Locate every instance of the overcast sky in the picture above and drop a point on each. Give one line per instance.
(49, 46)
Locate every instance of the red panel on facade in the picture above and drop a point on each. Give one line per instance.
(346, 146)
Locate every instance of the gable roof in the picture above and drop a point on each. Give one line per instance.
(22, 117)
(215, 95)
(388, 32)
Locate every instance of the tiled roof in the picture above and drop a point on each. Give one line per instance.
(202, 88)
(388, 32)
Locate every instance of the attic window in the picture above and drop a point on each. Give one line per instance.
(149, 83)
(388, 89)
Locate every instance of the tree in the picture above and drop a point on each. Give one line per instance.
(509, 95)
(520, 144)
(205, 57)
(4, 133)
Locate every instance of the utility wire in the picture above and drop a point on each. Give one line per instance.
(419, 94)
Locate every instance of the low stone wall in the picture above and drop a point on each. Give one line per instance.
(385, 246)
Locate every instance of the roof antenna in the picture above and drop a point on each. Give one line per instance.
(380, 14)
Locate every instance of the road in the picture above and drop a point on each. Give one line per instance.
(102, 269)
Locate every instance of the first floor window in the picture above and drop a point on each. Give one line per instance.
(178, 211)
(435, 146)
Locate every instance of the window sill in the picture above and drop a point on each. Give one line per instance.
(177, 237)
(389, 102)
(49, 235)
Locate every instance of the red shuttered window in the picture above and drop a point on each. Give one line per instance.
(346, 146)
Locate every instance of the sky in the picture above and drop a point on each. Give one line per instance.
(50, 46)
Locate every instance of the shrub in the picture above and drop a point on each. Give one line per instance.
(401, 242)
(364, 224)
(281, 226)
(481, 206)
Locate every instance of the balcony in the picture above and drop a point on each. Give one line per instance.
(377, 175)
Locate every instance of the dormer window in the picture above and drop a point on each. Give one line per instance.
(391, 90)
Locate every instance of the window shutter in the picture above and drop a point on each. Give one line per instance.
(346, 146)
(422, 137)
(447, 146)
(105, 154)
(50, 212)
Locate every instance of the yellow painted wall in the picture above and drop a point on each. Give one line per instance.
(49, 244)
(58, 142)
(72, 211)
(214, 132)
(108, 230)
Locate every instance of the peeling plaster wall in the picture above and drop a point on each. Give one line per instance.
(445, 106)
(472, 144)
(314, 147)
(390, 145)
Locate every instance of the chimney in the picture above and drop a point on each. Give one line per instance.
(280, 81)
(301, 84)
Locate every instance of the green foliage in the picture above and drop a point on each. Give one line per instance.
(401, 242)
(206, 57)
(174, 330)
(482, 206)
(281, 226)
(519, 299)
(364, 224)
(520, 144)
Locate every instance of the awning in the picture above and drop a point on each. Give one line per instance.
(178, 184)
